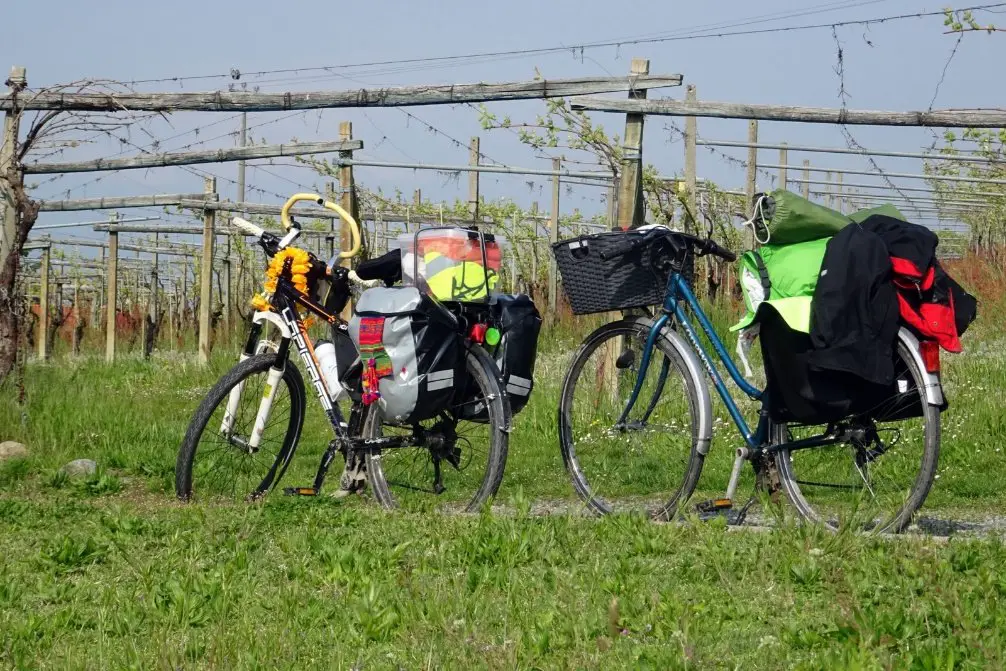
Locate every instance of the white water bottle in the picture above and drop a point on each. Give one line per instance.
(325, 351)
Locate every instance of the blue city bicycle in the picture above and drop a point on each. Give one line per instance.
(635, 413)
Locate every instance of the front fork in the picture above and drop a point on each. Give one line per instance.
(269, 394)
(227, 425)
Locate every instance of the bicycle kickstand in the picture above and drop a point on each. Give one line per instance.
(721, 507)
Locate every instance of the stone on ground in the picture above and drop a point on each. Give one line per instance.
(11, 450)
(80, 467)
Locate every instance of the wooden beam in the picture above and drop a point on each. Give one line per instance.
(170, 250)
(239, 101)
(115, 203)
(910, 189)
(193, 157)
(960, 158)
(988, 118)
(314, 212)
(906, 175)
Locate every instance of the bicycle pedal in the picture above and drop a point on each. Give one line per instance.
(300, 491)
(714, 505)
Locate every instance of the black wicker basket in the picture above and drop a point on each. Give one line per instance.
(593, 284)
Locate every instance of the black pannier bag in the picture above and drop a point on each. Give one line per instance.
(519, 323)
(797, 392)
(412, 358)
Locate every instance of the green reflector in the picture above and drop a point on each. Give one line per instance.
(492, 336)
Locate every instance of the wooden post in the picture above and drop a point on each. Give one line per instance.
(612, 206)
(58, 305)
(553, 236)
(206, 277)
(348, 187)
(806, 179)
(513, 256)
(151, 316)
(112, 297)
(77, 330)
(170, 298)
(97, 297)
(630, 183)
(183, 317)
(43, 307)
(828, 198)
(417, 196)
(783, 162)
(691, 134)
(330, 238)
(473, 179)
(8, 155)
(751, 183)
(534, 249)
(840, 202)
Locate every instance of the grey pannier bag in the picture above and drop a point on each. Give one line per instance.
(411, 354)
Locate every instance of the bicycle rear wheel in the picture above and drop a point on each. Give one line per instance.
(469, 456)
(652, 461)
(875, 483)
(217, 458)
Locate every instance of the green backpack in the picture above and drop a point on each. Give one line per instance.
(783, 276)
(784, 272)
(784, 218)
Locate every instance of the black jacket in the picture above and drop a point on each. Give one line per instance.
(854, 314)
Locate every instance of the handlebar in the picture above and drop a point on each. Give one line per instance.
(710, 247)
(247, 227)
(702, 245)
(328, 205)
(621, 249)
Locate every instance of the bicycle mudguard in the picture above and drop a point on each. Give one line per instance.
(934, 388)
(704, 435)
(273, 319)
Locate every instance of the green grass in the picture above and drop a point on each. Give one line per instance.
(111, 572)
(114, 583)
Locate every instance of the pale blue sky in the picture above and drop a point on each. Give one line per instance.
(63, 40)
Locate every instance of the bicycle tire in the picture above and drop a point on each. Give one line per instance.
(591, 344)
(218, 395)
(922, 483)
(482, 370)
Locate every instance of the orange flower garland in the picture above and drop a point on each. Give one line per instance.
(299, 268)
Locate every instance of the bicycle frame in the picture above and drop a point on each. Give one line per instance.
(284, 301)
(677, 296)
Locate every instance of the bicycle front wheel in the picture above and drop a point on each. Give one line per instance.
(244, 433)
(459, 456)
(651, 461)
(876, 482)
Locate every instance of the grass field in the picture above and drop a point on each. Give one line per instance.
(111, 572)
